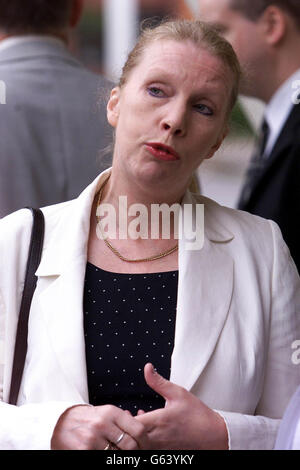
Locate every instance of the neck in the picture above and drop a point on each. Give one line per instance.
(286, 63)
(140, 192)
(62, 35)
(268, 93)
(124, 197)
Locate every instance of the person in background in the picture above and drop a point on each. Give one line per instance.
(51, 129)
(266, 35)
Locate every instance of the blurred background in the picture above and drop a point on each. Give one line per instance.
(106, 33)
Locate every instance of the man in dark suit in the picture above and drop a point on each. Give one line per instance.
(266, 36)
(52, 126)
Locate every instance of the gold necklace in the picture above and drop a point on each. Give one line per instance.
(116, 252)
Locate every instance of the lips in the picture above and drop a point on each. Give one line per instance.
(162, 151)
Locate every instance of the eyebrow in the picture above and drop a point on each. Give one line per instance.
(164, 75)
(160, 71)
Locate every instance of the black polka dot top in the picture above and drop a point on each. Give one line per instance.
(129, 320)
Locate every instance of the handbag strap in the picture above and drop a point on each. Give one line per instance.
(34, 256)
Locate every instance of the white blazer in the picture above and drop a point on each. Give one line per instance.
(288, 437)
(237, 318)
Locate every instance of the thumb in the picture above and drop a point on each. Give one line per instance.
(159, 384)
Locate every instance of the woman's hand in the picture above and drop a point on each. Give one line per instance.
(185, 423)
(84, 427)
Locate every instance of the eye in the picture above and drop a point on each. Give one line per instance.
(203, 109)
(154, 91)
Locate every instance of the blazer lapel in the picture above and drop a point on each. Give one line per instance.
(284, 141)
(204, 295)
(61, 285)
(287, 136)
(61, 306)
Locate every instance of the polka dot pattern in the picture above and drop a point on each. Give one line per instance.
(129, 320)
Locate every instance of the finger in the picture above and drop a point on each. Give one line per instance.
(160, 385)
(151, 419)
(134, 429)
(123, 441)
(140, 412)
(110, 424)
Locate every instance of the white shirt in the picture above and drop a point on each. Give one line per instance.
(16, 40)
(278, 110)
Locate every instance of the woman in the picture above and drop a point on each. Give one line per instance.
(217, 322)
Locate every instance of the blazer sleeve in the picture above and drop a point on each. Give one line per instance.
(288, 437)
(29, 426)
(282, 372)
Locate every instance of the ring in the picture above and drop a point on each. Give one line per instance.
(120, 438)
(108, 447)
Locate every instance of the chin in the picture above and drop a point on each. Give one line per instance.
(156, 173)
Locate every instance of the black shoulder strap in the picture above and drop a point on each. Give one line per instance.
(34, 256)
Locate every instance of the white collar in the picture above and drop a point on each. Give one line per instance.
(59, 253)
(17, 40)
(278, 110)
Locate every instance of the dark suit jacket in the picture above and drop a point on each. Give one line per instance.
(276, 193)
(51, 127)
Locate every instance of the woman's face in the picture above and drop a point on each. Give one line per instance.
(171, 113)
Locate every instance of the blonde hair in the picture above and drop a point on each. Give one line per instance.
(199, 33)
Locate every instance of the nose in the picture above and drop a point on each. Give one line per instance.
(174, 121)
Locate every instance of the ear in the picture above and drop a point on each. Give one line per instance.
(274, 24)
(218, 144)
(76, 12)
(113, 107)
